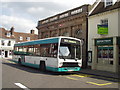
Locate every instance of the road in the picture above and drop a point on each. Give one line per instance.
(15, 76)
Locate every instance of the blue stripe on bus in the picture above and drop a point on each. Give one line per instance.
(47, 41)
(65, 69)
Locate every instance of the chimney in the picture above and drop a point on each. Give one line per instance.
(32, 31)
(12, 30)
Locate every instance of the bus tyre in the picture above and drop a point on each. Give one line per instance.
(19, 62)
(42, 66)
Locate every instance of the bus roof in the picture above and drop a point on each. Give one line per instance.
(43, 41)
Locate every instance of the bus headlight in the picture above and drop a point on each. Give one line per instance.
(60, 64)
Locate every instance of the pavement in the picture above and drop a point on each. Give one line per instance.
(101, 73)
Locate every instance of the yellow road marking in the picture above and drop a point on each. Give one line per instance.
(82, 75)
(78, 76)
(99, 84)
(11, 62)
(72, 78)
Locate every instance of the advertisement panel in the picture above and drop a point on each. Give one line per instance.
(102, 29)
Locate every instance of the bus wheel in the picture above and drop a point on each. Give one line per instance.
(42, 66)
(19, 62)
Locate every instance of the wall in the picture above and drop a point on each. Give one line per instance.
(112, 17)
(6, 47)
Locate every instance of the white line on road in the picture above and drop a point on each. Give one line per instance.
(21, 86)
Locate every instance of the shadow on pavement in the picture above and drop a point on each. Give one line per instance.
(35, 70)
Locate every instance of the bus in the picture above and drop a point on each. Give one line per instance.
(58, 54)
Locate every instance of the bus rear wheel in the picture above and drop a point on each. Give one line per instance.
(42, 66)
(19, 62)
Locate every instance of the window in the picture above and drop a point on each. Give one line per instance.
(49, 50)
(8, 34)
(9, 43)
(65, 33)
(10, 52)
(104, 22)
(2, 42)
(28, 38)
(44, 50)
(21, 38)
(69, 51)
(105, 55)
(108, 3)
(0, 52)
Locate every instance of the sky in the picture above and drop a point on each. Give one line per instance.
(24, 15)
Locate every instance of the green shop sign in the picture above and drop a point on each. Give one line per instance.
(102, 29)
(104, 41)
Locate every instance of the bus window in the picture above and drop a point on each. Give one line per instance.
(49, 50)
(69, 51)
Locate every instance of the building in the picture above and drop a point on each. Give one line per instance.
(8, 38)
(6, 43)
(72, 23)
(104, 36)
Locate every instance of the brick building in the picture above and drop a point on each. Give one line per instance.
(72, 23)
(8, 38)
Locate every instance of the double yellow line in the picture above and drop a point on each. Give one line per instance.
(81, 76)
(99, 84)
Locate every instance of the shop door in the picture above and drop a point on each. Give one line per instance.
(6, 53)
(119, 55)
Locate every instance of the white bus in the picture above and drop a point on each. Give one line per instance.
(59, 54)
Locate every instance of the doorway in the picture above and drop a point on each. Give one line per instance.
(6, 53)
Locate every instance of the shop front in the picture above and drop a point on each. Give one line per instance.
(106, 52)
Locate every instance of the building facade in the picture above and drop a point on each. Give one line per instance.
(104, 36)
(72, 23)
(8, 38)
(6, 43)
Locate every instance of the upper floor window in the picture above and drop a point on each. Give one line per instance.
(8, 34)
(2, 42)
(108, 3)
(28, 38)
(9, 43)
(104, 22)
(21, 38)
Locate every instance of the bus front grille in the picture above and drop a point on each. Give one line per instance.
(70, 64)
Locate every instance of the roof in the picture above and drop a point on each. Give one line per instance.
(100, 8)
(16, 35)
(3, 34)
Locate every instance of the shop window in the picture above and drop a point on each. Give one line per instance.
(105, 55)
